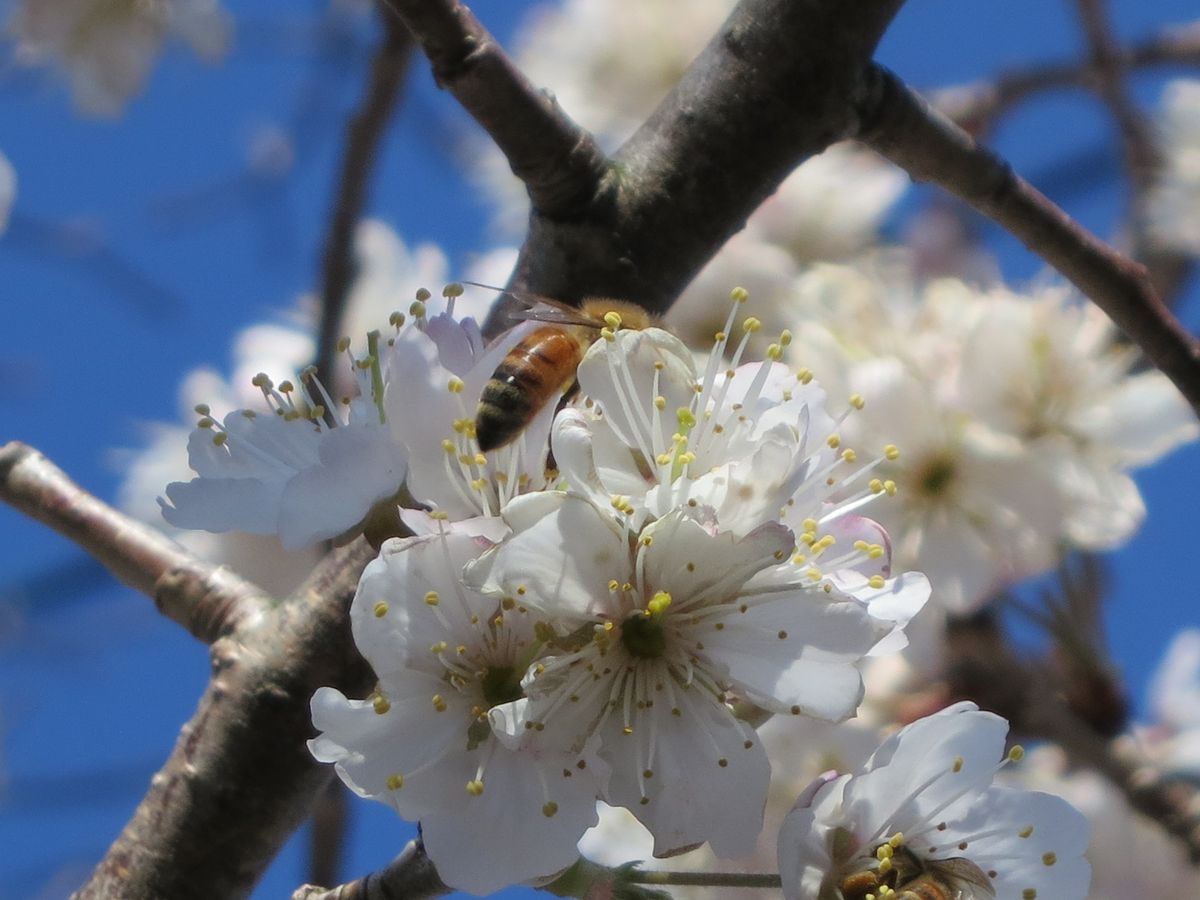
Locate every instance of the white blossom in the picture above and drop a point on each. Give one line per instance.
(1174, 199)
(107, 47)
(1016, 417)
(924, 804)
(1173, 738)
(655, 626)
(306, 470)
(495, 806)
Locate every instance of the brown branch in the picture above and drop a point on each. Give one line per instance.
(240, 778)
(410, 875)
(560, 163)
(975, 105)
(364, 133)
(327, 833)
(775, 85)
(208, 601)
(901, 126)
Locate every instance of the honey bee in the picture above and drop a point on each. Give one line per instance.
(542, 364)
(913, 879)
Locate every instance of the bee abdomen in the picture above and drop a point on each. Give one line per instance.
(533, 371)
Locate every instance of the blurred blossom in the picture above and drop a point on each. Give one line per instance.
(1017, 417)
(1173, 739)
(8, 190)
(1173, 208)
(107, 47)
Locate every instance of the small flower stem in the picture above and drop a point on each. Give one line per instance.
(707, 879)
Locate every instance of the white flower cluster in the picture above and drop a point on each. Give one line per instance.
(1019, 418)
(108, 46)
(539, 649)
(1173, 206)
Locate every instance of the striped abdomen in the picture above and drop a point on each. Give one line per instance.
(532, 373)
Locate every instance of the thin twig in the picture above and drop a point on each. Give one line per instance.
(364, 132)
(976, 106)
(410, 875)
(560, 163)
(901, 126)
(240, 778)
(208, 601)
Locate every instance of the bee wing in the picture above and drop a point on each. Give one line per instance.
(966, 872)
(537, 308)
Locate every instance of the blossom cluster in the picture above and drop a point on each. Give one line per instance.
(1021, 416)
(548, 638)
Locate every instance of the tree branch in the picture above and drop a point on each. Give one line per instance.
(208, 601)
(901, 126)
(974, 105)
(364, 133)
(410, 876)
(240, 778)
(560, 163)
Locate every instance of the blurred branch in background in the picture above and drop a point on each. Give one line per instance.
(364, 132)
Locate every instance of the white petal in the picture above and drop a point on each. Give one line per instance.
(691, 796)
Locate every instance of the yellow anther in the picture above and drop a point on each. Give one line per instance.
(660, 402)
(751, 325)
(205, 422)
(432, 598)
(453, 289)
(455, 385)
(422, 295)
(814, 574)
(884, 851)
(891, 451)
(1029, 894)
(220, 438)
(875, 551)
(286, 387)
(857, 401)
(1025, 832)
(890, 487)
(1017, 753)
(380, 704)
(439, 702)
(612, 319)
(809, 524)
(262, 381)
(440, 515)
(647, 540)
(685, 417)
(608, 334)
(549, 809)
(448, 445)
(1049, 859)
(876, 581)
(395, 782)
(202, 409)
(739, 295)
(480, 459)
(896, 839)
(438, 648)
(774, 352)
(381, 609)
(875, 486)
(959, 762)
(396, 319)
(417, 308)
(659, 603)
(848, 455)
(475, 788)
(785, 338)
(804, 376)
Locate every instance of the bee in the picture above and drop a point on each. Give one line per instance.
(913, 879)
(542, 364)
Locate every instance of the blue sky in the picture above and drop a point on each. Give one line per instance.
(93, 684)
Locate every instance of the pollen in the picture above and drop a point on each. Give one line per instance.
(395, 781)
(381, 609)
(1026, 831)
(751, 325)
(1029, 894)
(453, 289)
(439, 702)
(432, 598)
(849, 455)
(1017, 753)
(804, 376)
(891, 452)
(834, 441)
(417, 308)
(455, 385)
(958, 764)
(1049, 859)
(549, 809)
(475, 788)
(423, 294)
(381, 705)
(857, 401)
(876, 581)
(612, 319)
